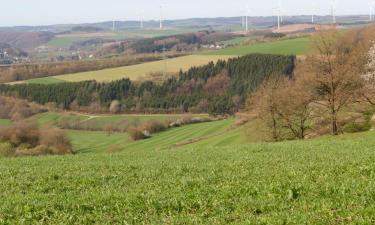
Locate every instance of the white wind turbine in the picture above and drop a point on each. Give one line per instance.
(161, 18)
(247, 19)
(141, 25)
(113, 25)
(371, 6)
(278, 13)
(333, 11)
(313, 11)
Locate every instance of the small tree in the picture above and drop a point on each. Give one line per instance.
(115, 106)
(264, 102)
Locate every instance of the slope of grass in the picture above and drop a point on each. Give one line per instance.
(5, 122)
(324, 181)
(135, 72)
(298, 46)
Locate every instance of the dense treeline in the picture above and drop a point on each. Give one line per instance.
(219, 88)
(30, 71)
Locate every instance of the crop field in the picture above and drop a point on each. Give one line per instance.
(298, 46)
(323, 181)
(135, 72)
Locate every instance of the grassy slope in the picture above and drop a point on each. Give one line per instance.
(324, 181)
(5, 122)
(296, 46)
(52, 118)
(136, 71)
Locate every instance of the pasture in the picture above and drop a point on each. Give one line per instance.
(322, 181)
(297, 46)
(135, 72)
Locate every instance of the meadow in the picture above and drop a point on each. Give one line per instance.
(297, 46)
(134, 72)
(221, 181)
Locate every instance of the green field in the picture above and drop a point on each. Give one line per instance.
(217, 180)
(134, 72)
(298, 46)
(5, 122)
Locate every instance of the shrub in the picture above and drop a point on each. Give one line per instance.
(153, 126)
(115, 106)
(27, 139)
(354, 127)
(21, 133)
(136, 134)
(6, 149)
(56, 140)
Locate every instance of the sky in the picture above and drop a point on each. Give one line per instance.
(45, 12)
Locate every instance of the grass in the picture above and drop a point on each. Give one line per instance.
(322, 181)
(134, 72)
(297, 46)
(100, 121)
(4, 122)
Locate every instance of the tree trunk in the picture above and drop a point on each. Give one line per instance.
(335, 130)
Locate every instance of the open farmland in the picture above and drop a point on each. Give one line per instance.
(297, 46)
(237, 183)
(135, 72)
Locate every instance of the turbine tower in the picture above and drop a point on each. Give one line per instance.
(141, 20)
(247, 19)
(113, 25)
(313, 10)
(161, 18)
(333, 3)
(371, 5)
(278, 13)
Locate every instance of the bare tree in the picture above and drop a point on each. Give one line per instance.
(264, 102)
(337, 64)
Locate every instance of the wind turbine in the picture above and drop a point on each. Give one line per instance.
(242, 13)
(161, 18)
(313, 10)
(247, 19)
(141, 20)
(278, 13)
(113, 25)
(333, 4)
(371, 5)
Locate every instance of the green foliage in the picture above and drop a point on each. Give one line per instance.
(354, 127)
(6, 149)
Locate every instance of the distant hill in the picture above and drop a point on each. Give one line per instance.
(25, 40)
(260, 22)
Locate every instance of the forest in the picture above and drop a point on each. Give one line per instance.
(216, 88)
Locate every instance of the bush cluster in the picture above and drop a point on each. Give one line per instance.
(27, 139)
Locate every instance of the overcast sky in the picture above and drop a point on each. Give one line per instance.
(42, 12)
